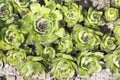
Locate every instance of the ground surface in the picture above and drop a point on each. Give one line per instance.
(10, 73)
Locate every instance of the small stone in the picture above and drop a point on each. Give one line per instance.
(10, 77)
(108, 70)
(110, 26)
(19, 78)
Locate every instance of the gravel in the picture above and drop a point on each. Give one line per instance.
(11, 73)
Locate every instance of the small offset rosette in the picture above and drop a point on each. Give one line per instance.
(65, 44)
(111, 14)
(72, 14)
(31, 69)
(5, 11)
(89, 63)
(115, 3)
(93, 18)
(49, 53)
(113, 61)
(108, 43)
(63, 66)
(11, 37)
(20, 6)
(85, 38)
(16, 57)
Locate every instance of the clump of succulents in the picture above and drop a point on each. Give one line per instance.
(60, 37)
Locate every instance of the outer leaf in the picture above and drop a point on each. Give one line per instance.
(117, 32)
(2, 57)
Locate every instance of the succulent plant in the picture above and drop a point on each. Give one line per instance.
(108, 43)
(63, 66)
(31, 67)
(89, 63)
(49, 53)
(11, 37)
(72, 14)
(65, 44)
(112, 60)
(19, 6)
(6, 12)
(111, 14)
(116, 31)
(85, 38)
(43, 25)
(16, 57)
(115, 3)
(93, 18)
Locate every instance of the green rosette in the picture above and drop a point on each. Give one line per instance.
(116, 31)
(47, 29)
(2, 57)
(108, 43)
(19, 6)
(65, 44)
(43, 24)
(5, 11)
(93, 18)
(113, 61)
(16, 57)
(115, 3)
(11, 37)
(111, 14)
(49, 53)
(30, 68)
(85, 38)
(63, 66)
(72, 14)
(89, 63)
